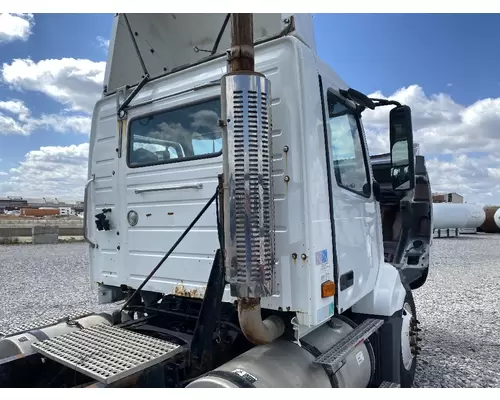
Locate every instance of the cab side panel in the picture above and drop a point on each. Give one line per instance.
(103, 193)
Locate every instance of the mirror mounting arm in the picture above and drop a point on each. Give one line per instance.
(385, 102)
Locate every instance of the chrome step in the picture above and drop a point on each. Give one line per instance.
(385, 385)
(334, 356)
(16, 330)
(106, 353)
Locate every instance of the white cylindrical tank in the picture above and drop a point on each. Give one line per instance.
(454, 215)
(496, 217)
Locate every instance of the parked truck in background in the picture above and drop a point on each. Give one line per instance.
(233, 206)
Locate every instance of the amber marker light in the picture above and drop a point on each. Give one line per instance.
(327, 289)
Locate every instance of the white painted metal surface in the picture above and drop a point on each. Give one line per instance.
(304, 245)
(302, 208)
(358, 235)
(454, 215)
(181, 39)
(388, 295)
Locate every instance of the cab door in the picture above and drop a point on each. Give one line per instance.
(173, 158)
(356, 226)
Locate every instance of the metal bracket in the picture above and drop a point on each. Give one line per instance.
(296, 326)
(335, 356)
(121, 117)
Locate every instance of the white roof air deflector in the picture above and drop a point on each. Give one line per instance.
(169, 42)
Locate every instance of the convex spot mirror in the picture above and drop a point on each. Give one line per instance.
(402, 157)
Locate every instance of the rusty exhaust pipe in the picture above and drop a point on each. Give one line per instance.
(253, 327)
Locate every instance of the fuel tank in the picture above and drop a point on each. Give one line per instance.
(283, 364)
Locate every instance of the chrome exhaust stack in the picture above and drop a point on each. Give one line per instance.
(248, 186)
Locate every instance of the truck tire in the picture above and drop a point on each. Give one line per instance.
(409, 341)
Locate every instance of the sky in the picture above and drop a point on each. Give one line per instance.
(443, 66)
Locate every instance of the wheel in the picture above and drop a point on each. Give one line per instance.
(409, 341)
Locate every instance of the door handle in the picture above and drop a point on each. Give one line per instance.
(161, 189)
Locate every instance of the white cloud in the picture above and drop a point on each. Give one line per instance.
(64, 123)
(16, 107)
(103, 43)
(3, 173)
(449, 84)
(15, 27)
(9, 125)
(51, 170)
(442, 126)
(476, 178)
(21, 122)
(76, 83)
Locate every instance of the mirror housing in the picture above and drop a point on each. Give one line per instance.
(402, 153)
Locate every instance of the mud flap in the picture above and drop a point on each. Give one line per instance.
(389, 349)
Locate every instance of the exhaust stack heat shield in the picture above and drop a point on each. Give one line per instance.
(248, 185)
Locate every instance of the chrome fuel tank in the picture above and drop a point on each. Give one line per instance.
(283, 364)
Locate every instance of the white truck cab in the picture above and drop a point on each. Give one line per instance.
(323, 276)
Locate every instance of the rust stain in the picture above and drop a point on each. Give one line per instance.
(122, 125)
(180, 290)
(248, 303)
(286, 149)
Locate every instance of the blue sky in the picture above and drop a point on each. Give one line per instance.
(433, 50)
(444, 66)
(54, 36)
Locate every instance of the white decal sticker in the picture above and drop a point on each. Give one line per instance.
(245, 375)
(360, 358)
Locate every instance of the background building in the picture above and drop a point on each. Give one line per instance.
(447, 198)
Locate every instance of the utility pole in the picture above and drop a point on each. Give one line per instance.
(242, 48)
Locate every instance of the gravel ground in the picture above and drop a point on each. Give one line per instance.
(459, 310)
(44, 281)
(458, 307)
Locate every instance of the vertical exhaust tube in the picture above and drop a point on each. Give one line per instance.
(248, 186)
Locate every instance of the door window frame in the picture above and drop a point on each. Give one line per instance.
(360, 133)
(130, 141)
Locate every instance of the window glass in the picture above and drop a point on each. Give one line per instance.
(346, 148)
(176, 135)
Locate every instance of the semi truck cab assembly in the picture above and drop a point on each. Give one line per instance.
(234, 213)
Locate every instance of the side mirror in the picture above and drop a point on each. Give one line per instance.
(402, 157)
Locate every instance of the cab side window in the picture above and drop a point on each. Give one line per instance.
(346, 148)
(175, 135)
